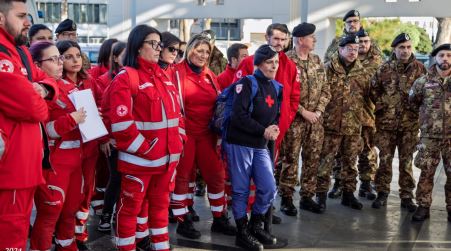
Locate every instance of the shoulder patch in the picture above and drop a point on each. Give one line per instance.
(239, 73)
(121, 110)
(238, 88)
(6, 66)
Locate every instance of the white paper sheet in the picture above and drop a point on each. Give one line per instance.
(93, 126)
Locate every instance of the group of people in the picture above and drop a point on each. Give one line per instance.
(157, 96)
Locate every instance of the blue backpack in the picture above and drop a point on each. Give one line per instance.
(224, 102)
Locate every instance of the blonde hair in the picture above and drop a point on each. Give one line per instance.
(194, 42)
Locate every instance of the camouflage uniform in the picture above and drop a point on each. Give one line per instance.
(218, 62)
(342, 122)
(432, 94)
(314, 97)
(333, 48)
(396, 122)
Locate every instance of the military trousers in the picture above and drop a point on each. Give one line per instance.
(351, 146)
(427, 159)
(308, 137)
(387, 142)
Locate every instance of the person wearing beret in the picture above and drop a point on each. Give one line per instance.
(432, 95)
(248, 155)
(306, 131)
(67, 30)
(349, 85)
(396, 120)
(39, 32)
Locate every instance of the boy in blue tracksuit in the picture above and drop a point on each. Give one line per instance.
(248, 156)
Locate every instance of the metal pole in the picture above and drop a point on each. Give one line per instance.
(304, 10)
(133, 13)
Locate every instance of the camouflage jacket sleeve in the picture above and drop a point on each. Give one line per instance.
(325, 92)
(333, 47)
(416, 92)
(376, 89)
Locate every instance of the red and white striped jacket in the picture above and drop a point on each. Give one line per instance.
(148, 127)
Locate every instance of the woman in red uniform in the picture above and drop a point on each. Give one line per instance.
(199, 89)
(149, 131)
(58, 200)
(74, 74)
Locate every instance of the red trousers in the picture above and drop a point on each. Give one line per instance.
(135, 189)
(15, 211)
(57, 202)
(89, 173)
(199, 151)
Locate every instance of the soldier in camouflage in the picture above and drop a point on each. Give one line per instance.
(432, 95)
(306, 130)
(396, 120)
(349, 86)
(218, 62)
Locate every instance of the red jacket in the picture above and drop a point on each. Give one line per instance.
(226, 77)
(97, 71)
(148, 127)
(288, 76)
(101, 83)
(199, 92)
(21, 110)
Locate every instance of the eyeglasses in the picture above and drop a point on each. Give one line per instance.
(350, 49)
(352, 21)
(155, 44)
(54, 59)
(69, 34)
(71, 57)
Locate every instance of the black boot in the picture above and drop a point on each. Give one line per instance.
(308, 204)
(256, 229)
(193, 213)
(408, 204)
(81, 245)
(186, 228)
(268, 221)
(200, 189)
(105, 223)
(222, 225)
(276, 220)
(421, 214)
(351, 201)
(144, 244)
(287, 207)
(244, 239)
(337, 190)
(380, 201)
(366, 190)
(171, 217)
(321, 200)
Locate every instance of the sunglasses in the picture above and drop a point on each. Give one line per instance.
(173, 49)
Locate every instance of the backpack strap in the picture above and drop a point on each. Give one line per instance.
(134, 80)
(254, 89)
(4, 50)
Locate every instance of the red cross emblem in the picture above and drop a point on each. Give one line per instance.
(6, 66)
(269, 101)
(122, 110)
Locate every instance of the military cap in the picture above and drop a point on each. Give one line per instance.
(169, 39)
(263, 53)
(362, 33)
(401, 38)
(349, 39)
(442, 47)
(304, 29)
(66, 25)
(351, 13)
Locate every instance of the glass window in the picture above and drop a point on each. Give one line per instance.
(102, 13)
(83, 13)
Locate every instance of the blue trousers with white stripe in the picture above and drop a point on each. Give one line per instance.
(245, 163)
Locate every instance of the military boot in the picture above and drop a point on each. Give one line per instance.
(256, 229)
(380, 201)
(276, 220)
(421, 214)
(287, 207)
(337, 190)
(321, 200)
(186, 228)
(222, 225)
(351, 201)
(366, 190)
(408, 204)
(244, 239)
(193, 213)
(308, 204)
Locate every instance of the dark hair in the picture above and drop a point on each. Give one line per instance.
(276, 26)
(105, 52)
(135, 42)
(65, 45)
(37, 48)
(5, 5)
(35, 28)
(234, 51)
(115, 52)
